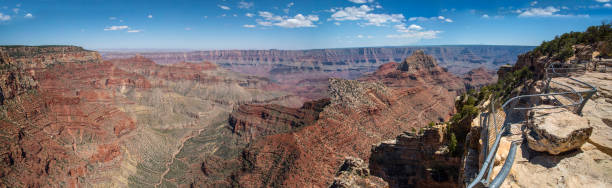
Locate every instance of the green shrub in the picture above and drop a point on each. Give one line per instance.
(452, 145)
(560, 48)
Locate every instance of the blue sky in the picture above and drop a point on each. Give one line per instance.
(291, 24)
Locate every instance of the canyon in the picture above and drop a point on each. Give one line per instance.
(72, 118)
(305, 72)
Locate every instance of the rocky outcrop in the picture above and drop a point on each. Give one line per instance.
(417, 70)
(425, 63)
(364, 112)
(556, 130)
(354, 173)
(478, 78)
(536, 64)
(503, 70)
(416, 160)
(37, 57)
(251, 121)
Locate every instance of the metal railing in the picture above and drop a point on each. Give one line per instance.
(512, 111)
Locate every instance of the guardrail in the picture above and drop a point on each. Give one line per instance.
(510, 111)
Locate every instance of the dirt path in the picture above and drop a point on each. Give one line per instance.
(183, 140)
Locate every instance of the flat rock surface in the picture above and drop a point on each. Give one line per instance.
(588, 166)
(598, 110)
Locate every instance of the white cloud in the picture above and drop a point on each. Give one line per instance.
(29, 15)
(485, 16)
(361, 1)
(363, 13)
(608, 5)
(351, 13)
(423, 19)
(413, 32)
(150, 16)
(299, 20)
(336, 23)
(112, 18)
(16, 10)
(244, 5)
(116, 28)
(249, 26)
(533, 3)
(403, 29)
(415, 27)
(224, 7)
(360, 36)
(188, 29)
(134, 31)
(417, 35)
(250, 15)
(369, 36)
(4, 17)
(549, 11)
(603, 1)
(534, 12)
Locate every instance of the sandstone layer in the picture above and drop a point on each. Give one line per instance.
(360, 113)
(72, 119)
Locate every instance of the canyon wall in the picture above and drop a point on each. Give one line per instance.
(305, 72)
(71, 119)
(361, 113)
(344, 62)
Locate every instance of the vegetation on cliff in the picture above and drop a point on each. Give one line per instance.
(560, 48)
(468, 108)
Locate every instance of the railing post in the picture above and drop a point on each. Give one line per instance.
(584, 101)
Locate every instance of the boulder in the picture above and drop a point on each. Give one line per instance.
(354, 172)
(556, 130)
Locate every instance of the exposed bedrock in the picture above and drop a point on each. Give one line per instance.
(354, 173)
(251, 121)
(361, 113)
(556, 130)
(416, 160)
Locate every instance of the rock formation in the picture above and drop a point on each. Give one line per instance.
(72, 119)
(416, 160)
(478, 78)
(305, 72)
(354, 173)
(251, 121)
(361, 113)
(556, 130)
(556, 146)
(347, 63)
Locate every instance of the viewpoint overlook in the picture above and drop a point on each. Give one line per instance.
(254, 94)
